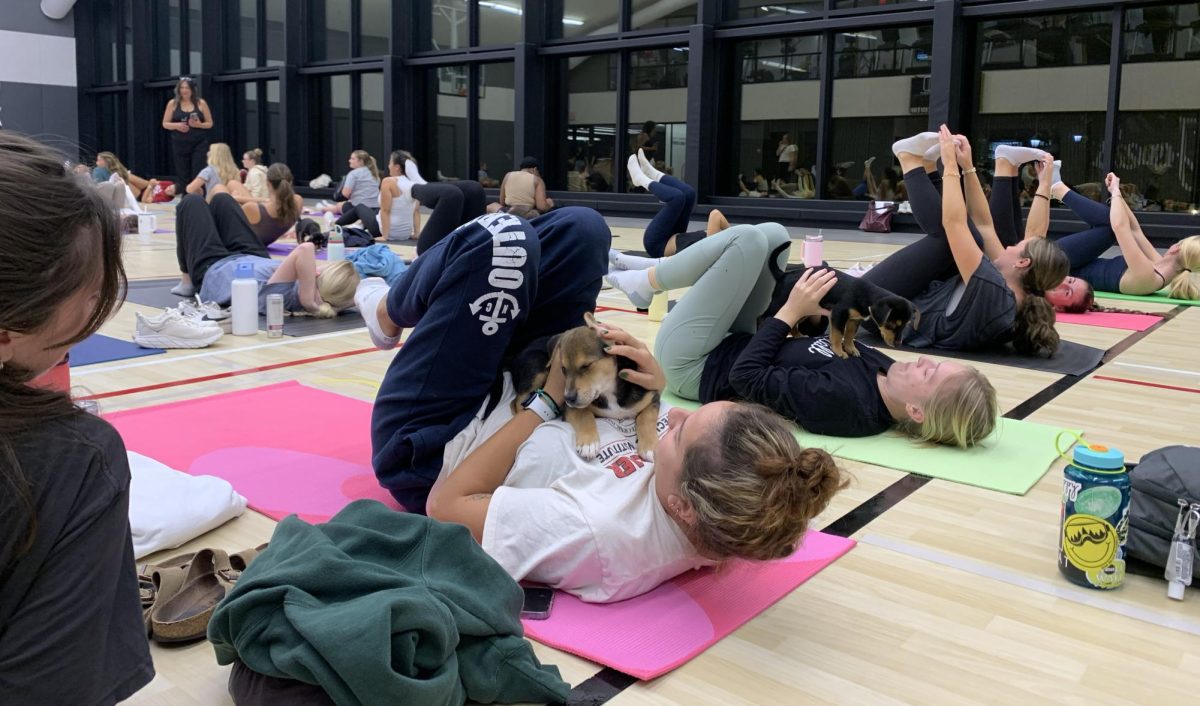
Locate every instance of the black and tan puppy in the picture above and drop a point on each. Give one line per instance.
(850, 301)
(593, 387)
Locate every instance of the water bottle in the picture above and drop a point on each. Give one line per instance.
(1095, 517)
(245, 300)
(814, 246)
(658, 307)
(336, 249)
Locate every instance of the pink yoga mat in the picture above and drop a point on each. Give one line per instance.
(1129, 322)
(288, 448)
(658, 631)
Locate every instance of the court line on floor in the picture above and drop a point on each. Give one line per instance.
(227, 374)
(219, 352)
(1148, 384)
(1157, 368)
(1094, 599)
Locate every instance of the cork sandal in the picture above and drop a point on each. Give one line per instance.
(184, 616)
(240, 560)
(158, 586)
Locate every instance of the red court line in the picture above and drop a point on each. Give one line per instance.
(600, 308)
(221, 376)
(1149, 384)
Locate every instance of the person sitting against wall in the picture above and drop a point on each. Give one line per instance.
(358, 197)
(256, 174)
(522, 192)
(221, 172)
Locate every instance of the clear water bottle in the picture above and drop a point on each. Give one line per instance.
(245, 300)
(336, 250)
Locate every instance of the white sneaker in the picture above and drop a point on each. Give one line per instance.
(366, 299)
(207, 313)
(171, 329)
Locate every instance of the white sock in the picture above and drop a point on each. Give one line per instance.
(867, 162)
(411, 171)
(183, 289)
(917, 144)
(1056, 175)
(621, 261)
(635, 284)
(404, 184)
(648, 166)
(366, 298)
(636, 175)
(934, 153)
(1018, 155)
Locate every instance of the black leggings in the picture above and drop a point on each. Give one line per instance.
(191, 156)
(206, 233)
(1005, 205)
(352, 212)
(909, 271)
(454, 203)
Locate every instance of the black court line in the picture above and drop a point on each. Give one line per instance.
(608, 682)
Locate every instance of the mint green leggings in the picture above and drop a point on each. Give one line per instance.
(731, 286)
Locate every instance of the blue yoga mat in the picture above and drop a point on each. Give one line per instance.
(103, 349)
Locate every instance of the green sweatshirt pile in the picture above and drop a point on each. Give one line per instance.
(383, 607)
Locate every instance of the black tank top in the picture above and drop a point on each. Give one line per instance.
(194, 135)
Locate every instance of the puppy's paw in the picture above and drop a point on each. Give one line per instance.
(646, 449)
(850, 349)
(588, 451)
(840, 352)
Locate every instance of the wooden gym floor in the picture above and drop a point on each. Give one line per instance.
(951, 597)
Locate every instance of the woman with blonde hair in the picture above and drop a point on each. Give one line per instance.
(1138, 270)
(727, 480)
(713, 348)
(220, 176)
(256, 174)
(214, 238)
(142, 189)
(359, 194)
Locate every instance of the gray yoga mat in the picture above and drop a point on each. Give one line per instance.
(1070, 359)
(157, 293)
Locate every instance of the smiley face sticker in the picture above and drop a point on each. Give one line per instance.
(1089, 542)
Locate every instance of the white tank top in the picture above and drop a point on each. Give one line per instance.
(401, 224)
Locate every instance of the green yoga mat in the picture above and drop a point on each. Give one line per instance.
(1159, 297)
(1012, 460)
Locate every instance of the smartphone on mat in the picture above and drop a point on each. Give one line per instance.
(537, 603)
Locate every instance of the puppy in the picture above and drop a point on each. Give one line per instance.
(593, 387)
(850, 301)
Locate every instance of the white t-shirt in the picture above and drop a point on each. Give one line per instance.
(786, 154)
(594, 529)
(401, 226)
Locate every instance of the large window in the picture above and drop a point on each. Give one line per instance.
(253, 119)
(1044, 83)
(499, 22)
(450, 22)
(662, 13)
(375, 18)
(587, 122)
(496, 103)
(329, 27)
(330, 139)
(658, 106)
(240, 43)
(446, 103)
(778, 89)
(575, 18)
(796, 9)
(177, 36)
(880, 94)
(110, 128)
(1158, 140)
(109, 51)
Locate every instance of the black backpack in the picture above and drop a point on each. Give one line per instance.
(1160, 480)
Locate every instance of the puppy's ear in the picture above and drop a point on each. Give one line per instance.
(916, 318)
(880, 311)
(589, 319)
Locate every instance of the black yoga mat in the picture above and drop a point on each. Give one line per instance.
(157, 293)
(1070, 359)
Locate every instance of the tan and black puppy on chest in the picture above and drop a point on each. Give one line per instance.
(593, 386)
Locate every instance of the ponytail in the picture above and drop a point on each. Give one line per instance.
(1186, 284)
(368, 162)
(280, 179)
(1034, 333)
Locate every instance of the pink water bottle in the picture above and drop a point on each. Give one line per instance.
(814, 246)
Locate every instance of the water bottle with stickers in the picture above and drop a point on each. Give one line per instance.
(1095, 516)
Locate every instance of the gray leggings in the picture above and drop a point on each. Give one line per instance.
(731, 286)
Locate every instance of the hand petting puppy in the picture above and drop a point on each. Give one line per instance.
(805, 297)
